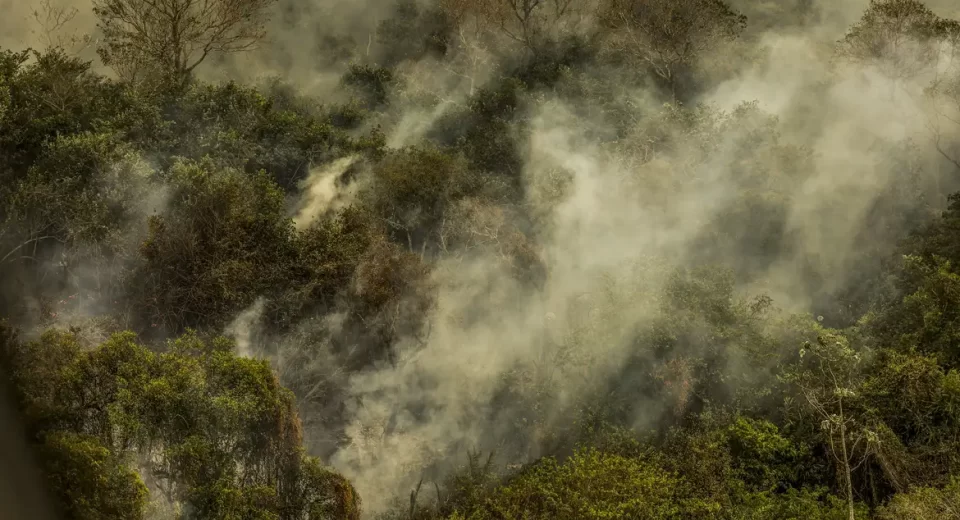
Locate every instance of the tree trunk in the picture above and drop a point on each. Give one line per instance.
(846, 468)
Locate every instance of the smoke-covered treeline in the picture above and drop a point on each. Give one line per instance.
(478, 259)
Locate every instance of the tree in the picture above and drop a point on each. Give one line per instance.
(173, 37)
(208, 430)
(412, 189)
(905, 40)
(829, 378)
(65, 225)
(918, 400)
(794, 504)
(53, 95)
(944, 119)
(668, 36)
(926, 318)
(89, 481)
(902, 37)
(470, 41)
(372, 84)
(222, 242)
(250, 129)
(534, 23)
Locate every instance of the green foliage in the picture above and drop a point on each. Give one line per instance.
(924, 503)
(667, 37)
(919, 312)
(222, 241)
(252, 129)
(590, 484)
(55, 95)
(920, 402)
(795, 505)
(88, 481)
(81, 191)
(372, 83)
(483, 130)
(210, 430)
(73, 208)
(327, 256)
(414, 189)
(925, 319)
(326, 494)
(764, 459)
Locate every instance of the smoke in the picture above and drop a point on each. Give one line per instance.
(243, 328)
(442, 398)
(324, 190)
(42, 24)
(74, 284)
(310, 44)
(431, 89)
(824, 134)
(849, 117)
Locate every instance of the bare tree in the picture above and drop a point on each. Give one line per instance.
(532, 23)
(173, 37)
(471, 37)
(52, 21)
(668, 35)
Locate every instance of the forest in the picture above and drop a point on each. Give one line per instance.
(483, 259)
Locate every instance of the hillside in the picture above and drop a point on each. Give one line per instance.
(484, 259)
